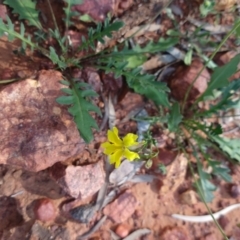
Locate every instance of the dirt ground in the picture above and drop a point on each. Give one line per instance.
(150, 203)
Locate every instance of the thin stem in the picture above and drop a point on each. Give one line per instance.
(210, 59)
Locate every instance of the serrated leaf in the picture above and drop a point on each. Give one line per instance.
(155, 91)
(206, 187)
(230, 146)
(161, 45)
(55, 59)
(26, 9)
(220, 76)
(80, 108)
(225, 101)
(219, 170)
(175, 117)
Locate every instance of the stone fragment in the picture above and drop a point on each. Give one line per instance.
(235, 190)
(123, 230)
(82, 181)
(175, 176)
(184, 77)
(44, 210)
(189, 197)
(9, 215)
(36, 131)
(122, 208)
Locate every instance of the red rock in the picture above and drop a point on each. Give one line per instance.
(175, 233)
(82, 181)
(44, 210)
(123, 230)
(36, 131)
(121, 208)
(9, 215)
(183, 78)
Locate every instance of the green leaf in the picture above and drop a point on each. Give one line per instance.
(135, 61)
(220, 76)
(55, 59)
(26, 9)
(206, 187)
(80, 107)
(12, 34)
(66, 100)
(161, 45)
(230, 146)
(98, 33)
(188, 57)
(220, 171)
(175, 117)
(145, 85)
(237, 24)
(226, 100)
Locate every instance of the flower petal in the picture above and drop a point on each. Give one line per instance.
(116, 156)
(130, 140)
(130, 155)
(109, 148)
(113, 137)
(117, 164)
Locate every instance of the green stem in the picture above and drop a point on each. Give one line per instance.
(210, 59)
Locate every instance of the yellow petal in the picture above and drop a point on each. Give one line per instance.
(130, 155)
(113, 137)
(117, 164)
(130, 140)
(116, 156)
(109, 148)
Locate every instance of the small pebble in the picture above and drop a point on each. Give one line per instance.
(123, 230)
(235, 191)
(44, 210)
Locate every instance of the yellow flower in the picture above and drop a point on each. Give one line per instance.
(117, 148)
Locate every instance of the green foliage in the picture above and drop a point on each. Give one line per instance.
(26, 9)
(207, 7)
(219, 170)
(230, 146)
(56, 60)
(68, 12)
(225, 101)
(8, 29)
(98, 33)
(220, 76)
(175, 117)
(205, 185)
(78, 97)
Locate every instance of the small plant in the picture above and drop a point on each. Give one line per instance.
(121, 60)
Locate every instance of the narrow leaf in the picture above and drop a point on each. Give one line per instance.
(220, 76)
(26, 9)
(175, 117)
